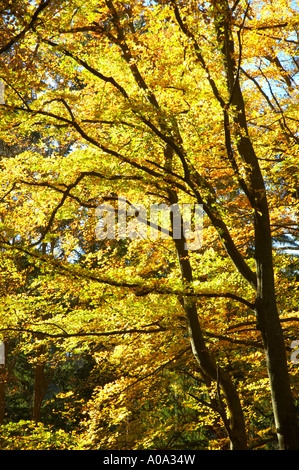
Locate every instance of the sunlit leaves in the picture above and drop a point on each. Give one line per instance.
(96, 95)
(35, 437)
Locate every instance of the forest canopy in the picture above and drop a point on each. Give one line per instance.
(122, 340)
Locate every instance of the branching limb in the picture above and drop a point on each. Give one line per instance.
(135, 286)
(43, 4)
(84, 334)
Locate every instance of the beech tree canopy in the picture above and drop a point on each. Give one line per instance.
(128, 341)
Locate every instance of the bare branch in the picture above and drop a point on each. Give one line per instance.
(240, 54)
(84, 334)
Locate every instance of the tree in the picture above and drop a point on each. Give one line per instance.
(156, 98)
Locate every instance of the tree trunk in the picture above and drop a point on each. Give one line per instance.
(282, 400)
(39, 386)
(235, 425)
(269, 325)
(253, 186)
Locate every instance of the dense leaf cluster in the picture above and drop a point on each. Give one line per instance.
(140, 343)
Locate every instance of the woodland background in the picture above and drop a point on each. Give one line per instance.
(133, 343)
